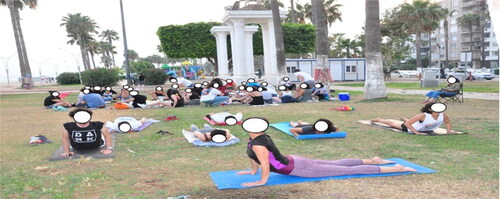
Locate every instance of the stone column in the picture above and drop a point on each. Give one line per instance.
(221, 38)
(238, 47)
(265, 44)
(272, 50)
(250, 68)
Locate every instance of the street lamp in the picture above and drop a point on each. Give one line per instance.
(77, 58)
(127, 69)
(6, 62)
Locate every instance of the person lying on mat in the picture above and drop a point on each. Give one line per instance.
(304, 128)
(263, 153)
(207, 136)
(84, 134)
(133, 123)
(220, 118)
(431, 118)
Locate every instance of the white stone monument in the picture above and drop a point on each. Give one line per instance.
(234, 24)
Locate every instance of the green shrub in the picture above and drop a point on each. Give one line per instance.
(154, 77)
(101, 77)
(496, 71)
(68, 78)
(140, 66)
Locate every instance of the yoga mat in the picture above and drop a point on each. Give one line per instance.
(438, 131)
(285, 128)
(213, 122)
(230, 180)
(94, 153)
(142, 127)
(195, 141)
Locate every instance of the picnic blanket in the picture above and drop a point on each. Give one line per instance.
(438, 131)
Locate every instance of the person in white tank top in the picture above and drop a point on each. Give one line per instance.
(427, 121)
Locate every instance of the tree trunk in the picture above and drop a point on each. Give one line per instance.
(446, 40)
(471, 44)
(92, 56)
(294, 16)
(322, 43)
(280, 44)
(23, 48)
(374, 83)
(418, 46)
(111, 51)
(16, 35)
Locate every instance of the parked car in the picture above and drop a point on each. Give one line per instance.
(480, 74)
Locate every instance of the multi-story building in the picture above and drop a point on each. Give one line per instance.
(459, 52)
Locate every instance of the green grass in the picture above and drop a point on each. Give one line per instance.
(479, 87)
(162, 166)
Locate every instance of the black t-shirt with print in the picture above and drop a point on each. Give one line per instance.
(48, 100)
(275, 156)
(84, 138)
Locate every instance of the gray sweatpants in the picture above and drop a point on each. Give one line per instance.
(304, 167)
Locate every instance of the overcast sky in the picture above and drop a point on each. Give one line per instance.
(46, 40)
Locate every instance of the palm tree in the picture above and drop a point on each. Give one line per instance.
(350, 47)
(322, 44)
(303, 12)
(14, 7)
(374, 83)
(106, 49)
(280, 44)
(79, 29)
(111, 36)
(93, 48)
(469, 20)
(447, 35)
(132, 55)
(417, 18)
(332, 12)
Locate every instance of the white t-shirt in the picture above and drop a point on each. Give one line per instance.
(135, 124)
(184, 82)
(220, 118)
(211, 95)
(306, 76)
(429, 123)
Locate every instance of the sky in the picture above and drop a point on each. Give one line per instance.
(46, 40)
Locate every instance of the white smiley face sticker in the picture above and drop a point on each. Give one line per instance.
(175, 86)
(197, 85)
(230, 120)
(216, 85)
(255, 125)
(243, 83)
(438, 107)
(97, 88)
(249, 89)
(108, 88)
(318, 85)
(286, 79)
(188, 90)
(205, 83)
(173, 80)
(86, 87)
(241, 88)
(134, 93)
(260, 89)
(130, 89)
(229, 81)
(281, 88)
(124, 127)
(264, 84)
(304, 85)
(126, 87)
(82, 117)
(159, 88)
(55, 93)
(251, 80)
(320, 126)
(86, 91)
(218, 137)
(452, 80)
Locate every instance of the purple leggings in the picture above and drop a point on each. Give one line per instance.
(304, 167)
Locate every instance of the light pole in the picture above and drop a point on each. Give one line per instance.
(6, 62)
(76, 57)
(127, 69)
(40, 68)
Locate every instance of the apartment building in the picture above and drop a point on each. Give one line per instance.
(459, 52)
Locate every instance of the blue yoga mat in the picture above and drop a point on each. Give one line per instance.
(285, 128)
(230, 180)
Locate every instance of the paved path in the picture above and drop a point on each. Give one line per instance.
(468, 95)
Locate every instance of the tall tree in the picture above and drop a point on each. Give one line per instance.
(469, 20)
(111, 36)
(132, 55)
(14, 7)
(278, 34)
(322, 44)
(80, 29)
(417, 18)
(93, 48)
(374, 83)
(332, 12)
(349, 47)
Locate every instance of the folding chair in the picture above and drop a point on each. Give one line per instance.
(459, 97)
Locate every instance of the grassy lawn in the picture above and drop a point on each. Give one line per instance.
(164, 166)
(479, 87)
